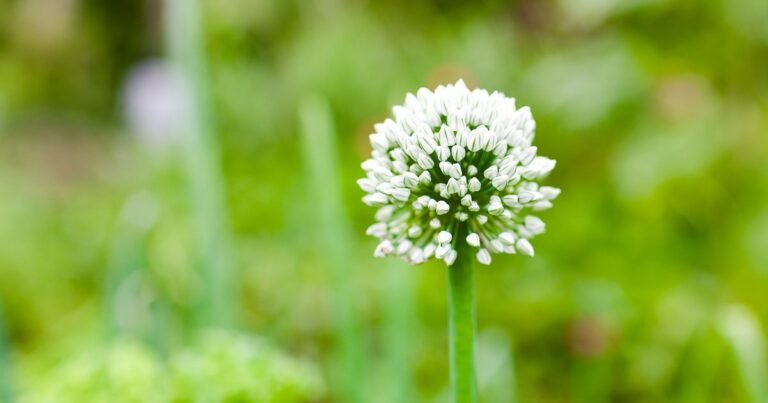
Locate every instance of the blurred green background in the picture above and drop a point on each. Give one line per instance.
(179, 219)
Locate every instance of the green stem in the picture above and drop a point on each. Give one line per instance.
(462, 324)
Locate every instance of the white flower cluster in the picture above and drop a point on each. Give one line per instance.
(453, 162)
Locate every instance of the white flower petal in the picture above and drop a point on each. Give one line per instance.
(525, 247)
(444, 237)
(483, 256)
(442, 208)
(450, 257)
(474, 185)
(385, 248)
(473, 239)
(378, 230)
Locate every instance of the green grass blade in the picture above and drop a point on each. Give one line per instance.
(333, 238)
(398, 327)
(742, 332)
(206, 182)
(496, 377)
(127, 255)
(127, 261)
(6, 379)
(699, 367)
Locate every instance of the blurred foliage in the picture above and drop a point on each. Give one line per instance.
(648, 287)
(220, 367)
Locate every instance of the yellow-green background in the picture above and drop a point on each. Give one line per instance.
(650, 285)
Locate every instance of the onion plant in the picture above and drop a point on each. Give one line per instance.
(455, 177)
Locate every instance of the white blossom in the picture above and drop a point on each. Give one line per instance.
(483, 256)
(456, 161)
(444, 237)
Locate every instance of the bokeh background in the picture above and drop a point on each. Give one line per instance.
(179, 220)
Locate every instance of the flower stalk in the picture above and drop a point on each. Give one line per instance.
(462, 325)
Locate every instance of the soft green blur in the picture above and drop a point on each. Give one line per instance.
(164, 237)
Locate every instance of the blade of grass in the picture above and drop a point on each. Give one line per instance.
(742, 332)
(513, 386)
(127, 259)
(184, 36)
(6, 383)
(399, 332)
(399, 328)
(127, 254)
(699, 367)
(6, 378)
(321, 166)
(495, 370)
(591, 380)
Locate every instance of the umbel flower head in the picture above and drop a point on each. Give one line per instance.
(456, 162)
